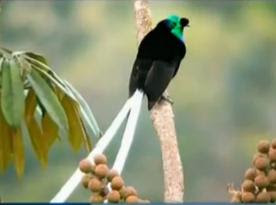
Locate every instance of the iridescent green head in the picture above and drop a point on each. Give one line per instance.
(176, 25)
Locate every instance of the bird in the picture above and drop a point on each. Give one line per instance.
(158, 58)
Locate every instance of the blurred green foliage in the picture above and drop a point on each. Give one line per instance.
(224, 93)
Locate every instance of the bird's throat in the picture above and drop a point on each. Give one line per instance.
(178, 32)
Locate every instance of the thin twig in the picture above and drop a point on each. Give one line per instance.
(163, 121)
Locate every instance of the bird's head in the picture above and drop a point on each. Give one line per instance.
(176, 25)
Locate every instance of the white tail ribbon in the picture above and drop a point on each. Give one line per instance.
(129, 132)
(71, 184)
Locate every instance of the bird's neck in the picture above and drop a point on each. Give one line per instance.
(178, 33)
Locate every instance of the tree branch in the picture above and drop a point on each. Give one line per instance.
(163, 121)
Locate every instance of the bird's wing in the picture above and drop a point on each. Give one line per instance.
(138, 75)
(181, 55)
(158, 79)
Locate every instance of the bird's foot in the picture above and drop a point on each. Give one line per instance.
(167, 98)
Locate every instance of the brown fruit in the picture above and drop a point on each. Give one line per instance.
(272, 176)
(111, 174)
(96, 198)
(113, 196)
(104, 191)
(132, 199)
(250, 174)
(101, 170)
(272, 195)
(263, 146)
(95, 185)
(247, 197)
(263, 197)
(100, 159)
(258, 155)
(130, 191)
(85, 166)
(273, 143)
(85, 180)
(259, 172)
(248, 186)
(261, 181)
(123, 192)
(236, 197)
(261, 163)
(117, 183)
(272, 155)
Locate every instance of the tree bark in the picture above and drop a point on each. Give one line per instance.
(163, 121)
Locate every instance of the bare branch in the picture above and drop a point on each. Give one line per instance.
(163, 121)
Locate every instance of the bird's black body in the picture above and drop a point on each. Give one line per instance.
(157, 62)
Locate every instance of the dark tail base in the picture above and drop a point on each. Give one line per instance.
(151, 104)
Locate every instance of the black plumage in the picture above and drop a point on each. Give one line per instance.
(158, 59)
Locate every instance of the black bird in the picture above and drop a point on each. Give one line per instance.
(158, 59)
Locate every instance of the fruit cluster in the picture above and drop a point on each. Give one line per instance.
(106, 184)
(259, 183)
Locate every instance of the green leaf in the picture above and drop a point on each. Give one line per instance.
(56, 82)
(6, 50)
(1, 61)
(87, 114)
(49, 100)
(12, 95)
(37, 57)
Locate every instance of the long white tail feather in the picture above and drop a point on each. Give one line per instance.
(71, 184)
(129, 132)
(128, 135)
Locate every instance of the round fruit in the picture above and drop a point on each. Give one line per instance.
(104, 191)
(85, 180)
(272, 195)
(85, 166)
(113, 196)
(248, 186)
(272, 155)
(261, 163)
(273, 143)
(101, 170)
(261, 181)
(130, 191)
(250, 174)
(111, 174)
(247, 197)
(235, 199)
(263, 146)
(272, 176)
(100, 159)
(263, 197)
(96, 198)
(132, 199)
(117, 183)
(95, 185)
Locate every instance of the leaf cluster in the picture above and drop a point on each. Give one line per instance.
(35, 102)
